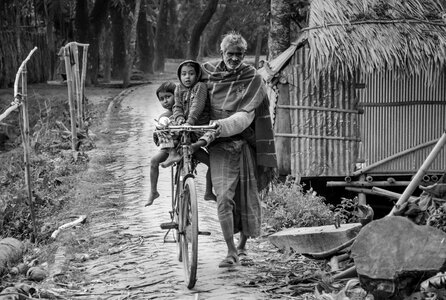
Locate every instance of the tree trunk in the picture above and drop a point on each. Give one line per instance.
(107, 51)
(171, 32)
(194, 42)
(118, 62)
(279, 33)
(132, 46)
(81, 21)
(97, 20)
(49, 15)
(161, 30)
(143, 40)
(215, 34)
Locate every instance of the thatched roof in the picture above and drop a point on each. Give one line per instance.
(403, 35)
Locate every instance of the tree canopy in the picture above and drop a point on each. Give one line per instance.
(164, 29)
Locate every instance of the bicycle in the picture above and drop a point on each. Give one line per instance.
(184, 213)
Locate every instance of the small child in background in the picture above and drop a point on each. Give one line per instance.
(192, 108)
(165, 95)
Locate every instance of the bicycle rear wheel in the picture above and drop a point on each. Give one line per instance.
(189, 232)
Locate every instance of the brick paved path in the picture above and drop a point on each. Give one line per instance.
(147, 268)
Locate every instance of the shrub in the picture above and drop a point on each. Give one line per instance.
(288, 205)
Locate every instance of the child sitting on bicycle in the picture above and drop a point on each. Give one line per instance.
(191, 108)
(165, 95)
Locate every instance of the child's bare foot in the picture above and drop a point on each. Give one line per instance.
(173, 158)
(209, 196)
(152, 197)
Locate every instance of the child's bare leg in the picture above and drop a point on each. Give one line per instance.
(174, 157)
(154, 174)
(203, 156)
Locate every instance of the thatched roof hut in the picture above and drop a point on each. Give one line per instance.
(345, 63)
(408, 36)
(403, 35)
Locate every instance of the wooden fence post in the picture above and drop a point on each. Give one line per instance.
(25, 133)
(67, 57)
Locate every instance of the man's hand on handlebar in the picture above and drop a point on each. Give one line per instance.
(217, 128)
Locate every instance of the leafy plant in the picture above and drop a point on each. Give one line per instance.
(347, 210)
(289, 205)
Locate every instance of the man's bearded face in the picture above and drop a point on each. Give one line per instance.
(233, 57)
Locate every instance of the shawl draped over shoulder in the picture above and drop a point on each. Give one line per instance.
(244, 90)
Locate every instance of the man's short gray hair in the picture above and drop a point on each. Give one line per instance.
(233, 39)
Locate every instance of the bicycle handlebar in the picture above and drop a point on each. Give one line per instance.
(180, 128)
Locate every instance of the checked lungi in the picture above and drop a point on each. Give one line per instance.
(233, 177)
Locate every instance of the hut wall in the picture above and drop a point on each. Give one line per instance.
(324, 122)
(400, 114)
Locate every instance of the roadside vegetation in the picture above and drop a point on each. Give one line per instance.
(288, 205)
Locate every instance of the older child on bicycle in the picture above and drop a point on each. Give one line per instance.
(191, 103)
(191, 108)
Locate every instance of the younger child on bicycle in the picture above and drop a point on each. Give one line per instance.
(165, 96)
(191, 108)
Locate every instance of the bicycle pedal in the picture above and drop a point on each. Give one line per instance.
(204, 233)
(169, 225)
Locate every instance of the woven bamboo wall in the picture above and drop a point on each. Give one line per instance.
(400, 114)
(324, 122)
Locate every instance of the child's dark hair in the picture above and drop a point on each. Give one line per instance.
(166, 87)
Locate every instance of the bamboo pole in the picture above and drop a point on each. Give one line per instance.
(392, 157)
(26, 146)
(14, 106)
(419, 175)
(26, 150)
(77, 83)
(20, 100)
(70, 97)
(366, 184)
(84, 73)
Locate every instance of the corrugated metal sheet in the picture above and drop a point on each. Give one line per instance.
(399, 114)
(324, 122)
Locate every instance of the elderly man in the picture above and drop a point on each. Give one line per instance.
(242, 156)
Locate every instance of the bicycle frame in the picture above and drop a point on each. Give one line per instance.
(187, 165)
(184, 214)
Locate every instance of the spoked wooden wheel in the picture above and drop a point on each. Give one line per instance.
(189, 232)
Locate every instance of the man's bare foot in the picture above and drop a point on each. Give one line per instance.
(209, 196)
(152, 197)
(173, 158)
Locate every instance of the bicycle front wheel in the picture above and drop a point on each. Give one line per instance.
(189, 232)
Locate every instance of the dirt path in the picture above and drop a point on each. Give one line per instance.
(141, 266)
